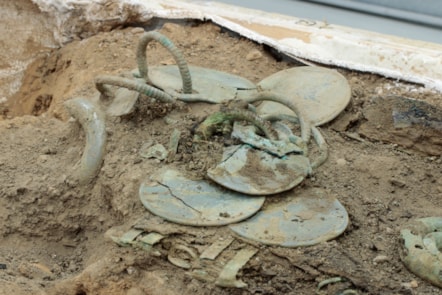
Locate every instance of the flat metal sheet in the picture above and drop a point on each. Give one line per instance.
(255, 172)
(214, 86)
(173, 197)
(305, 220)
(320, 93)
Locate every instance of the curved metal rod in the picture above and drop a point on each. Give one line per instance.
(276, 97)
(92, 119)
(103, 80)
(176, 53)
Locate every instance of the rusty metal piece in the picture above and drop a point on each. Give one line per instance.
(422, 244)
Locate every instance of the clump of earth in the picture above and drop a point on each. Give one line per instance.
(53, 233)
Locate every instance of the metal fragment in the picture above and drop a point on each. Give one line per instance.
(180, 262)
(421, 254)
(227, 277)
(256, 172)
(280, 148)
(173, 144)
(152, 238)
(127, 238)
(216, 248)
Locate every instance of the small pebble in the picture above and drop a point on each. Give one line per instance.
(171, 27)
(253, 55)
(131, 270)
(414, 284)
(137, 30)
(411, 285)
(341, 162)
(389, 230)
(380, 259)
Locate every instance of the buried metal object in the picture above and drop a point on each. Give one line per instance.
(320, 93)
(279, 148)
(422, 245)
(227, 277)
(117, 101)
(92, 120)
(305, 220)
(255, 172)
(262, 171)
(176, 198)
(187, 83)
(209, 85)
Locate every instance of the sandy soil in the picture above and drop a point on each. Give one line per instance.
(53, 233)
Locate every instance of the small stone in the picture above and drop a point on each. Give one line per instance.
(137, 30)
(380, 259)
(157, 151)
(253, 55)
(131, 270)
(43, 158)
(414, 284)
(171, 27)
(389, 230)
(168, 62)
(411, 285)
(397, 183)
(341, 162)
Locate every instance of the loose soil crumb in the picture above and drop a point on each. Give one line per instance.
(53, 234)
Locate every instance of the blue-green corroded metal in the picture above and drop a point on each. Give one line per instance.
(92, 120)
(178, 199)
(320, 93)
(304, 220)
(422, 248)
(255, 172)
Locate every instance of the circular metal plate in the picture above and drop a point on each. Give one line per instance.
(319, 92)
(214, 86)
(194, 202)
(296, 221)
(255, 172)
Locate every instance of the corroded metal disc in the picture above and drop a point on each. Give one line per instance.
(320, 93)
(214, 86)
(173, 197)
(255, 172)
(304, 220)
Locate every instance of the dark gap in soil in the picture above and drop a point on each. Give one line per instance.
(157, 23)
